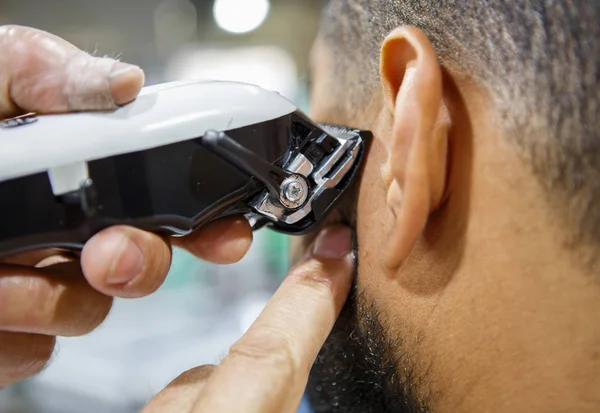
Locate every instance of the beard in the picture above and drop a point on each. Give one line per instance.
(360, 368)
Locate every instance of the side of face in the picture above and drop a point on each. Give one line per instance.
(459, 260)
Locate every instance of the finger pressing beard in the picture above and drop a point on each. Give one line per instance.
(267, 370)
(181, 394)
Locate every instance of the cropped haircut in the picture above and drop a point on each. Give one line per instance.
(539, 61)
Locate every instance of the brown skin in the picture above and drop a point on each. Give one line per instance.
(267, 369)
(43, 293)
(457, 249)
(457, 246)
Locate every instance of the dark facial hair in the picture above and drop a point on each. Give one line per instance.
(360, 370)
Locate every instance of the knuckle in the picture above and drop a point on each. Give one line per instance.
(312, 275)
(268, 351)
(29, 301)
(44, 297)
(195, 375)
(38, 299)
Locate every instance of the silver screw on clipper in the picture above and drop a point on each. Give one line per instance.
(294, 191)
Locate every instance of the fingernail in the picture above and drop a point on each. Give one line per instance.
(126, 81)
(333, 243)
(127, 264)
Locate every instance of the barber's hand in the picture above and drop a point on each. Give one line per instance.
(43, 294)
(266, 371)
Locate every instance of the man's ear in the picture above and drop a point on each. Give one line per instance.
(415, 172)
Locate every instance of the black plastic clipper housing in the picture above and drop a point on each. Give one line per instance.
(172, 189)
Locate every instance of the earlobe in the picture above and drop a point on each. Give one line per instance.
(417, 148)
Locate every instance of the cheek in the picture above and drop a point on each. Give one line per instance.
(398, 305)
(373, 221)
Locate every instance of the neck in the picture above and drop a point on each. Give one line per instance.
(533, 340)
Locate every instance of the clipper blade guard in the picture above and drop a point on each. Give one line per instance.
(180, 156)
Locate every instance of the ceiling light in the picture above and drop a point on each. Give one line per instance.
(240, 16)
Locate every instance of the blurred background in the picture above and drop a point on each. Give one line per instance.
(201, 309)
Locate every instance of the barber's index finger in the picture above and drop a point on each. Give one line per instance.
(267, 369)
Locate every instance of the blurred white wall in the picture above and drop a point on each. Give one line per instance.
(150, 32)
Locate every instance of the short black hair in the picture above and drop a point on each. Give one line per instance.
(539, 60)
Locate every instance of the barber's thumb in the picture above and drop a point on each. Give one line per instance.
(46, 74)
(100, 82)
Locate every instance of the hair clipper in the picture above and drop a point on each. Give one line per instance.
(178, 157)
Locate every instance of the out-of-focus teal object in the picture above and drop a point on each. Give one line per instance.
(276, 252)
(185, 269)
(272, 248)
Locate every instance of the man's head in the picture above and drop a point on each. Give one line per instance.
(476, 224)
